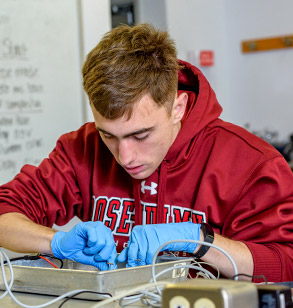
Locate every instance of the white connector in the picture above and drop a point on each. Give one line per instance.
(179, 302)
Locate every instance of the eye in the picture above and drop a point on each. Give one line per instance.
(106, 136)
(141, 137)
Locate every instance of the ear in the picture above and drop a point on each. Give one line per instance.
(179, 107)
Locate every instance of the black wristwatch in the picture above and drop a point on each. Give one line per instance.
(208, 235)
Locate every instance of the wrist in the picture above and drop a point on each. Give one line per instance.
(201, 238)
(49, 238)
(207, 236)
(56, 243)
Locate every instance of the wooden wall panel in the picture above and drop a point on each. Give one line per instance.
(267, 43)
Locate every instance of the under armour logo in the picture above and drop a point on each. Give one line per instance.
(152, 188)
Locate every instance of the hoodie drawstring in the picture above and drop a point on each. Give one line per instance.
(137, 204)
(161, 196)
(161, 192)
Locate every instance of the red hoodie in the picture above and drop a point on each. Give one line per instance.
(214, 171)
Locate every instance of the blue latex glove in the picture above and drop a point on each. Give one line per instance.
(146, 239)
(89, 243)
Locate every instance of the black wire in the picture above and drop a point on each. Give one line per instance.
(25, 257)
(250, 276)
(14, 259)
(35, 257)
(92, 300)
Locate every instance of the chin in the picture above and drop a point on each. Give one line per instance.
(141, 176)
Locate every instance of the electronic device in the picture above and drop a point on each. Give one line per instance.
(210, 293)
(274, 296)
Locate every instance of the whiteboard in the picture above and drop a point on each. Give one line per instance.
(41, 94)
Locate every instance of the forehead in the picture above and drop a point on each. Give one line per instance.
(145, 113)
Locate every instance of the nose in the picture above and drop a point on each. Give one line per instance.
(126, 152)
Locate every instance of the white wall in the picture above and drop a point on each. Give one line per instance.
(252, 88)
(261, 83)
(96, 21)
(152, 11)
(200, 25)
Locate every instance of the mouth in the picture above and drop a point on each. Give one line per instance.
(134, 170)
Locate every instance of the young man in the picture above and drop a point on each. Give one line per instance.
(158, 158)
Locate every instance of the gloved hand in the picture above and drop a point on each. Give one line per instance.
(89, 243)
(146, 239)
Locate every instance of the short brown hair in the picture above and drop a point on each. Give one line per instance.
(128, 63)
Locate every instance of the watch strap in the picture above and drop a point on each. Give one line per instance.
(208, 235)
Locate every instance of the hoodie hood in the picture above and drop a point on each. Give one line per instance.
(202, 108)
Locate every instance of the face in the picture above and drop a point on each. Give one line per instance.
(139, 144)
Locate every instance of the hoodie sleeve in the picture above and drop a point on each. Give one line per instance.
(46, 194)
(263, 219)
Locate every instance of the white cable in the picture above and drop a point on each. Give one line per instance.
(201, 274)
(3, 272)
(154, 276)
(144, 295)
(129, 300)
(149, 302)
(185, 266)
(154, 299)
(8, 288)
(190, 241)
(129, 292)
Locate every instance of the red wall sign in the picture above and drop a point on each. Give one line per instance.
(206, 58)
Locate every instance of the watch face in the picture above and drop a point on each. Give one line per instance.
(208, 233)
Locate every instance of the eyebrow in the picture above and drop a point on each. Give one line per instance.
(141, 131)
